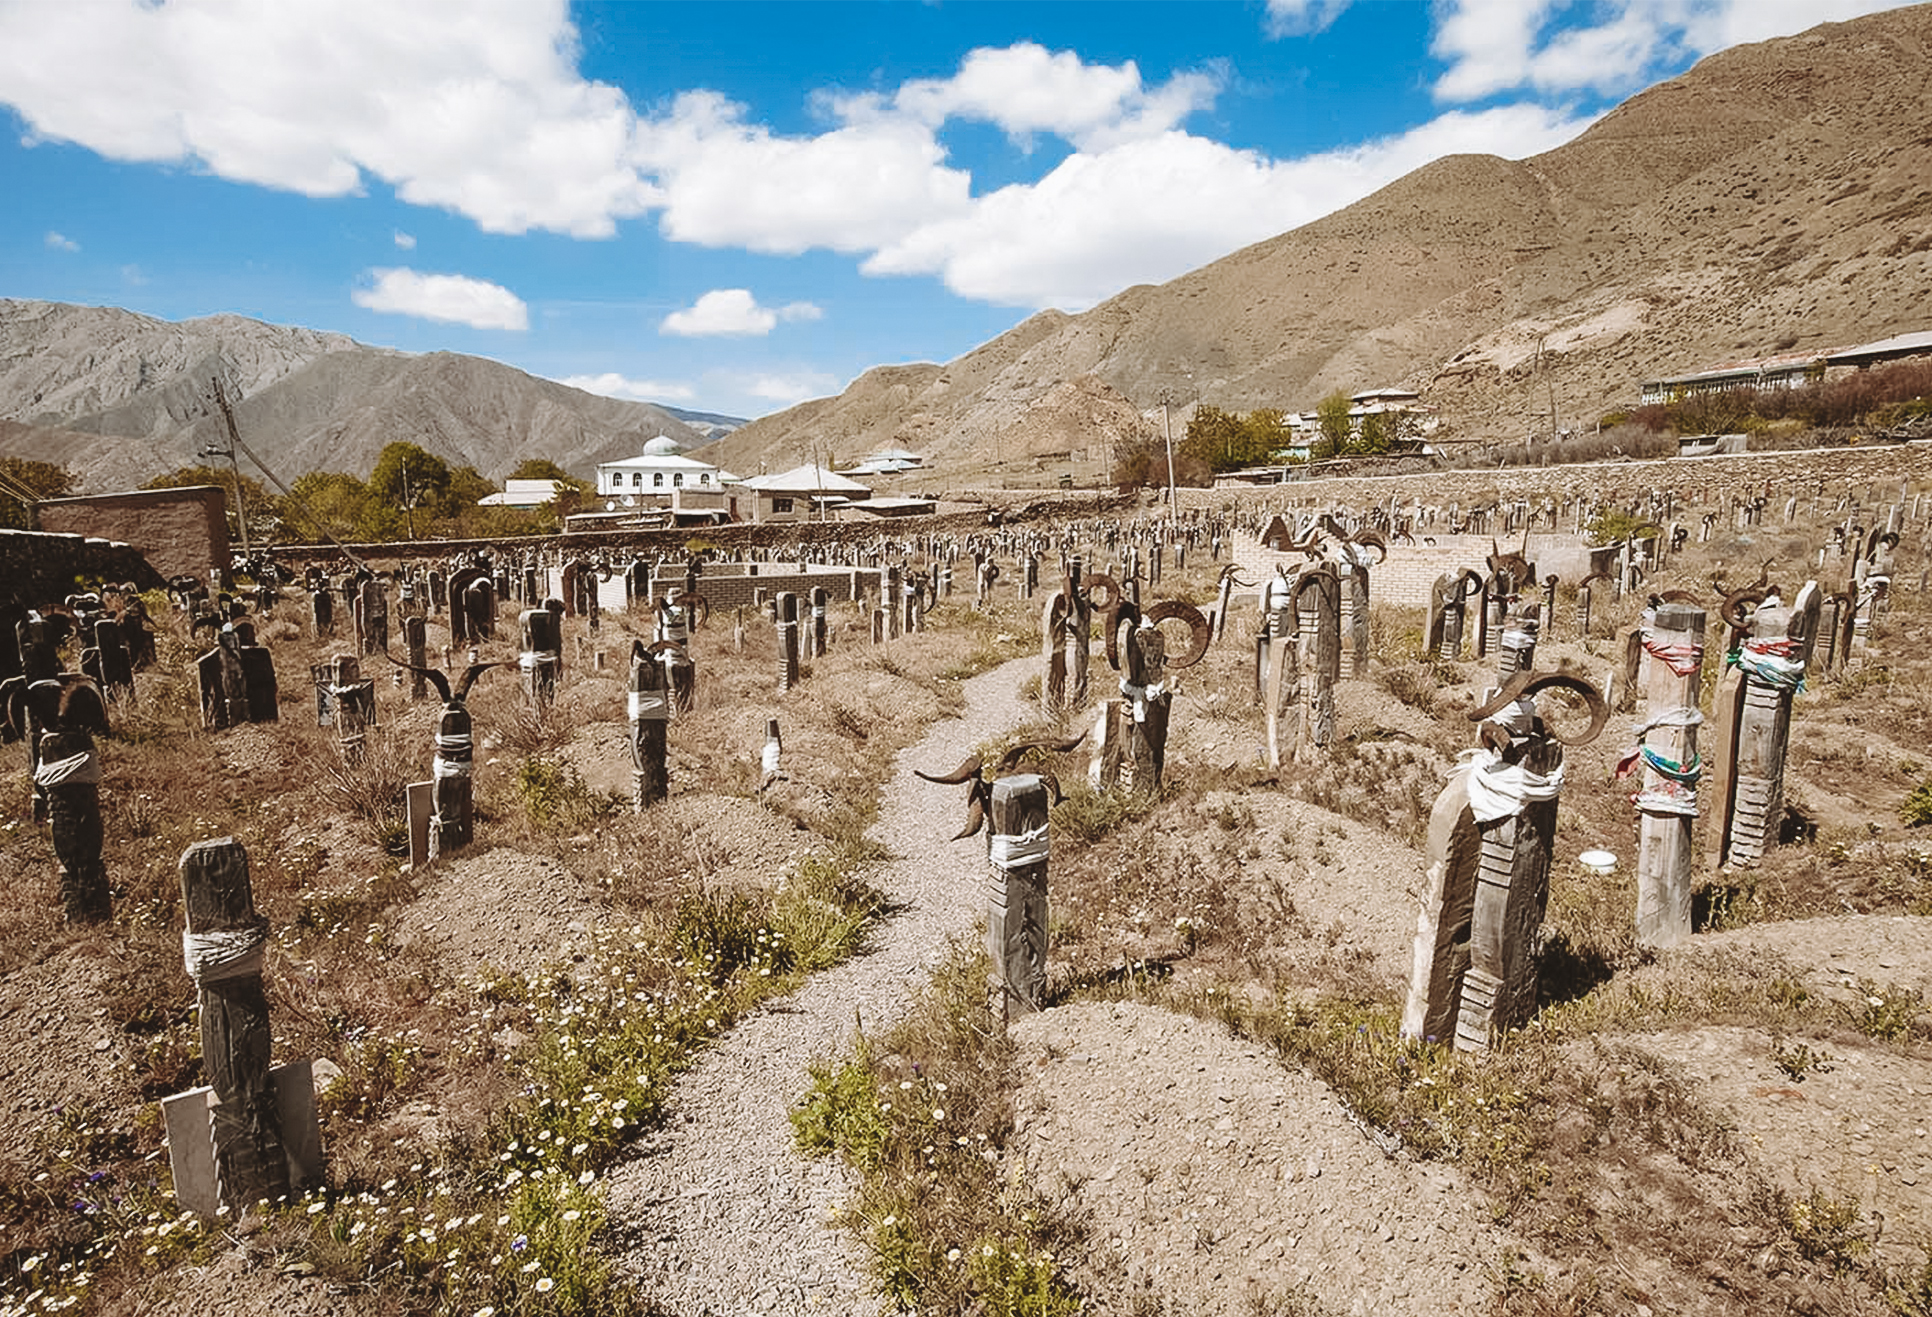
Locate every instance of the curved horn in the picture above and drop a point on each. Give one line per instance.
(966, 772)
(1101, 581)
(470, 674)
(1736, 602)
(1123, 610)
(975, 816)
(437, 678)
(1470, 583)
(1522, 685)
(1374, 539)
(1201, 632)
(1011, 759)
(1678, 597)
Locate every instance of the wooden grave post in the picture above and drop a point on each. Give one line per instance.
(1079, 629)
(372, 617)
(223, 948)
(892, 600)
(415, 642)
(345, 699)
(787, 612)
(650, 714)
(108, 661)
(821, 635)
(1320, 633)
(1277, 645)
(1148, 703)
(322, 612)
(67, 774)
(1016, 913)
(1667, 803)
(1355, 605)
(541, 659)
(1516, 646)
(1771, 662)
(1489, 846)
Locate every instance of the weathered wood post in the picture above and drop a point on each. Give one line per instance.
(1451, 591)
(1771, 663)
(1277, 647)
(892, 599)
(1516, 647)
(416, 642)
(650, 714)
(1320, 637)
(322, 612)
(1355, 599)
(1079, 630)
(821, 601)
(372, 617)
(68, 775)
(479, 609)
(787, 640)
(1667, 804)
(344, 698)
(1016, 913)
(1148, 703)
(223, 949)
(1490, 837)
(108, 661)
(541, 659)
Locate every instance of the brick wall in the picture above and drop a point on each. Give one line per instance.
(181, 532)
(733, 585)
(41, 568)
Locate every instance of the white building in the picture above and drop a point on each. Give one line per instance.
(658, 471)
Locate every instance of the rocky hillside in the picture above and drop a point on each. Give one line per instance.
(1778, 196)
(120, 397)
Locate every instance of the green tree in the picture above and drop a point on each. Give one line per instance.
(1331, 415)
(1377, 434)
(412, 482)
(41, 479)
(542, 468)
(325, 504)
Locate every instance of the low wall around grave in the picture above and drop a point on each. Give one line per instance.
(181, 532)
(1408, 575)
(39, 568)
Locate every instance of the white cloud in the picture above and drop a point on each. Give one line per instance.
(472, 105)
(1025, 89)
(733, 313)
(1493, 46)
(60, 242)
(729, 183)
(786, 389)
(1290, 18)
(405, 241)
(612, 385)
(453, 298)
(1150, 210)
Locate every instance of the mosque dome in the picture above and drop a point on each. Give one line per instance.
(663, 446)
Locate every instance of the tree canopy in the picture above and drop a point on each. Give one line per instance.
(41, 479)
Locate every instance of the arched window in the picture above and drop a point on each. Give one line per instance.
(678, 479)
(657, 479)
(704, 477)
(637, 480)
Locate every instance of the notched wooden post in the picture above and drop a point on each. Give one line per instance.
(650, 713)
(1016, 912)
(1667, 804)
(68, 774)
(1771, 661)
(223, 949)
(1490, 837)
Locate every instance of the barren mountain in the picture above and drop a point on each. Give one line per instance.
(120, 397)
(1777, 196)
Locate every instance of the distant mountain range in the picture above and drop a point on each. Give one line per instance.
(1777, 197)
(120, 398)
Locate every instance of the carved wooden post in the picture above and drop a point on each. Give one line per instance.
(787, 640)
(893, 601)
(479, 606)
(820, 634)
(451, 784)
(68, 775)
(1079, 628)
(415, 641)
(1320, 624)
(350, 704)
(1016, 915)
(1772, 663)
(1277, 645)
(1667, 804)
(650, 711)
(1148, 703)
(1516, 647)
(1489, 844)
(372, 618)
(223, 948)
(541, 659)
(1355, 604)
(108, 662)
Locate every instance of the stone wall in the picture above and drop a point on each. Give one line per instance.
(732, 585)
(1410, 571)
(1872, 474)
(181, 532)
(40, 568)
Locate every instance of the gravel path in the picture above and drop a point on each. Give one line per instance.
(721, 1215)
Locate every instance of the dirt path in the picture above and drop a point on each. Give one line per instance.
(721, 1215)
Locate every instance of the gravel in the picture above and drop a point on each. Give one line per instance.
(721, 1215)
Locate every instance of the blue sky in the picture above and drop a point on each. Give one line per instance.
(734, 206)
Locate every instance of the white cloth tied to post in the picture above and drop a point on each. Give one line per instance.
(650, 706)
(225, 953)
(1010, 850)
(770, 758)
(81, 770)
(1140, 696)
(1497, 790)
(531, 659)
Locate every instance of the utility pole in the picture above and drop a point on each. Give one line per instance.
(1167, 433)
(234, 441)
